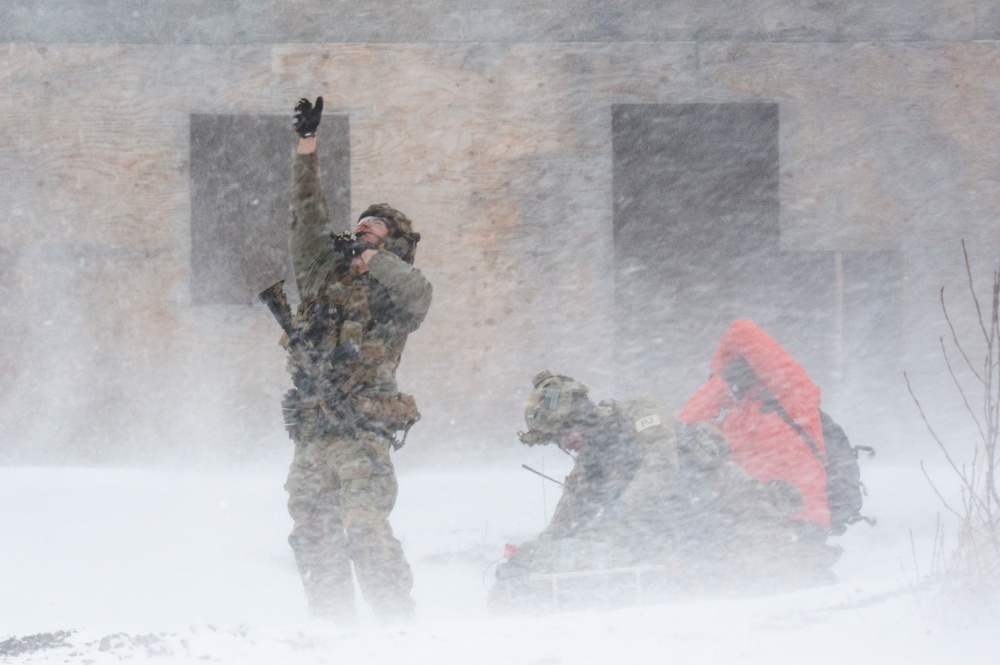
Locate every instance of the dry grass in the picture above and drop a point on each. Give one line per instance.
(972, 567)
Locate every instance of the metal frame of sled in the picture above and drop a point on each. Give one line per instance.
(601, 578)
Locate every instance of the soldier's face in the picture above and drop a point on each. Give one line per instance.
(372, 229)
(572, 440)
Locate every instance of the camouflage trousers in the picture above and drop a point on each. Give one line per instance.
(340, 493)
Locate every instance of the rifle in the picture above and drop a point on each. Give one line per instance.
(319, 371)
(539, 473)
(347, 247)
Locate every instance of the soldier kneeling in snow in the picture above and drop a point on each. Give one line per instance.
(652, 499)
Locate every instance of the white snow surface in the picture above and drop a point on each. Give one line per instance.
(192, 565)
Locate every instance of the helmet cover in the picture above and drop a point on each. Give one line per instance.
(402, 239)
(550, 406)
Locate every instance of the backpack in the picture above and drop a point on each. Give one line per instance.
(844, 490)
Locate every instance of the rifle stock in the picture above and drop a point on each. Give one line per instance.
(320, 370)
(274, 297)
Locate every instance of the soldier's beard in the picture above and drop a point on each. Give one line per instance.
(374, 238)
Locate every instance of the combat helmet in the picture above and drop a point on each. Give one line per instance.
(555, 402)
(402, 239)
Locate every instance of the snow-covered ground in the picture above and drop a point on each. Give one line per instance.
(182, 565)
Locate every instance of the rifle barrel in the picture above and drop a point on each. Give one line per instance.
(539, 473)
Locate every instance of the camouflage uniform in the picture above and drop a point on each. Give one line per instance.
(342, 483)
(618, 479)
(734, 532)
(648, 489)
(611, 509)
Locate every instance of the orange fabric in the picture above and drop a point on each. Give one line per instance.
(763, 443)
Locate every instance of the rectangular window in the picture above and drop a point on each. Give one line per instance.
(697, 245)
(241, 181)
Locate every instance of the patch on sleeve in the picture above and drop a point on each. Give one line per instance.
(552, 398)
(646, 422)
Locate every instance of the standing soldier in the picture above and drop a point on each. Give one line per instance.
(360, 299)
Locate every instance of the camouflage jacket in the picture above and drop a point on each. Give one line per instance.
(645, 479)
(629, 458)
(376, 310)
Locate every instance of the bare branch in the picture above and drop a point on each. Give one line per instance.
(944, 502)
(930, 429)
(972, 290)
(974, 563)
(961, 391)
(954, 337)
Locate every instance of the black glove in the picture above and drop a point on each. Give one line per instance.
(348, 247)
(307, 117)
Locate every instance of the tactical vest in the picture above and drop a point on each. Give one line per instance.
(354, 313)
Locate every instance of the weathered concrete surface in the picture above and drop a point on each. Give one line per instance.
(497, 21)
(499, 151)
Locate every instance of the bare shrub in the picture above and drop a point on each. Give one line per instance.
(973, 566)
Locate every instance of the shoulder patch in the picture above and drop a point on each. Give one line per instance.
(551, 399)
(644, 423)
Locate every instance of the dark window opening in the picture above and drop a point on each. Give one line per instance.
(697, 245)
(241, 175)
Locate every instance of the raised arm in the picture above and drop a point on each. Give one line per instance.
(309, 243)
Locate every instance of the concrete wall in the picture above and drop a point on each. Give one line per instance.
(497, 21)
(491, 128)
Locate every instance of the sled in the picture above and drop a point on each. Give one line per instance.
(553, 592)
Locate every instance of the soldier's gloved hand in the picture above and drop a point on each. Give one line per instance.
(348, 248)
(351, 246)
(360, 246)
(342, 241)
(307, 117)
